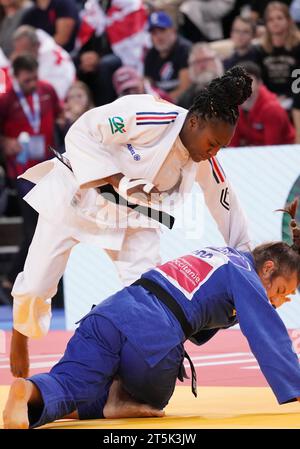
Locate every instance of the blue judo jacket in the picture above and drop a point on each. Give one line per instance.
(216, 288)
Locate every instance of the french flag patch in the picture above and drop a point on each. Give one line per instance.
(155, 118)
(217, 170)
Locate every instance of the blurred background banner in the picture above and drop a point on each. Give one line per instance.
(264, 178)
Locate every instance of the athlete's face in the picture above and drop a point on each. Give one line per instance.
(280, 287)
(203, 139)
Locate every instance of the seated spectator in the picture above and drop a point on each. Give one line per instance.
(55, 64)
(202, 19)
(78, 101)
(240, 8)
(11, 14)
(242, 34)
(204, 66)
(127, 81)
(167, 61)
(262, 120)
(28, 111)
(59, 18)
(258, 8)
(96, 72)
(279, 52)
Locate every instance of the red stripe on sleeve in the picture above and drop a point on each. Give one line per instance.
(217, 169)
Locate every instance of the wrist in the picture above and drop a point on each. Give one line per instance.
(18, 335)
(115, 179)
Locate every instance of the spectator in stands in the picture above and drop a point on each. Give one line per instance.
(78, 101)
(258, 8)
(28, 111)
(204, 66)
(55, 64)
(59, 18)
(166, 63)
(240, 8)
(127, 81)
(262, 120)
(202, 19)
(279, 52)
(11, 14)
(96, 72)
(242, 33)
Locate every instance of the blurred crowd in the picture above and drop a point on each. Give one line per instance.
(59, 58)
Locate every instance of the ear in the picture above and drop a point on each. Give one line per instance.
(267, 269)
(195, 122)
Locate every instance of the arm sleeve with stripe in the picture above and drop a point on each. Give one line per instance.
(224, 206)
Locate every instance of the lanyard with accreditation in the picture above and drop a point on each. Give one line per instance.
(36, 148)
(33, 116)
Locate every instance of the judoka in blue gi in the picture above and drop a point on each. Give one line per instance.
(137, 335)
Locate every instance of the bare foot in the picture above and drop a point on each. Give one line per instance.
(15, 415)
(121, 405)
(19, 358)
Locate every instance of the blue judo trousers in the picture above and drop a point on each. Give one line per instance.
(135, 336)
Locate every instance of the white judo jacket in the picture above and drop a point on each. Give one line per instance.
(133, 135)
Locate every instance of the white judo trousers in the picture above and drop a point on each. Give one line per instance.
(46, 262)
(115, 138)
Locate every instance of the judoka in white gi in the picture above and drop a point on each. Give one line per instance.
(137, 144)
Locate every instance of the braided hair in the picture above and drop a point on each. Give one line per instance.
(220, 100)
(285, 257)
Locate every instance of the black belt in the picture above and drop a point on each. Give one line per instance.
(110, 194)
(177, 311)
